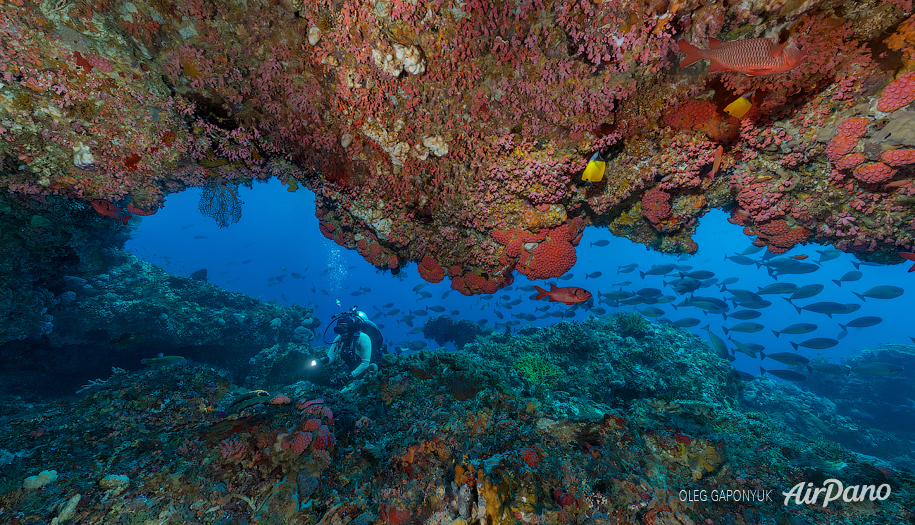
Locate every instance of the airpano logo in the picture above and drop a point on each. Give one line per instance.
(833, 490)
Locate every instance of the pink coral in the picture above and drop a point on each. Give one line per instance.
(232, 448)
(302, 404)
(431, 270)
(325, 439)
(690, 114)
(874, 172)
(552, 257)
(301, 442)
(853, 127)
(280, 399)
(898, 94)
(898, 157)
(471, 283)
(850, 161)
(656, 205)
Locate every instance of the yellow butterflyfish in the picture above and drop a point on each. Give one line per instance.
(594, 171)
(740, 107)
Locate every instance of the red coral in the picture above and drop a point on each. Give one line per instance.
(530, 457)
(554, 256)
(690, 114)
(431, 270)
(302, 404)
(772, 227)
(898, 94)
(393, 516)
(312, 424)
(874, 172)
(472, 284)
(301, 442)
(783, 242)
(850, 161)
(683, 438)
(898, 157)
(839, 146)
(656, 205)
(280, 399)
(325, 439)
(514, 240)
(853, 127)
(232, 448)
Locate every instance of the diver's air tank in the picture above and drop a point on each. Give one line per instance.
(371, 329)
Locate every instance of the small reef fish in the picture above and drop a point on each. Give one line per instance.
(600, 243)
(594, 171)
(806, 291)
(593, 275)
(881, 292)
(787, 375)
(878, 368)
(741, 106)
(127, 338)
(566, 294)
(110, 210)
(817, 343)
(861, 322)
(796, 329)
(716, 164)
(785, 357)
(752, 56)
(831, 368)
(746, 327)
(163, 360)
(853, 275)
(800, 257)
(828, 254)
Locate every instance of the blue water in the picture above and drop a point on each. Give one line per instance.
(279, 233)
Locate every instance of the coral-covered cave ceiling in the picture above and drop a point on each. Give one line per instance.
(454, 134)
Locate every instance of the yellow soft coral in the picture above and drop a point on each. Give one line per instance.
(904, 40)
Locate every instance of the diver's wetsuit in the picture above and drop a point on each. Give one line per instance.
(362, 347)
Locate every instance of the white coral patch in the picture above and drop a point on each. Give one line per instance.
(387, 140)
(387, 62)
(83, 158)
(412, 59)
(436, 145)
(374, 216)
(420, 152)
(314, 35)
(399, 153)
(346, 139)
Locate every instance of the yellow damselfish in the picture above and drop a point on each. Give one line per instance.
(594, 171)
(739, 107)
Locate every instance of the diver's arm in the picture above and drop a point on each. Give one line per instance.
(364, 351)
(333, 353)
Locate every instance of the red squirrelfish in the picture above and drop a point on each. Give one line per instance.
(566, 294)
(753, 56)
(110, 210)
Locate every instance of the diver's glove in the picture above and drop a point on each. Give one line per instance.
(323, 361)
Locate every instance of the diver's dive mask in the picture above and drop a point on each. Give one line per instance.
(343, 327)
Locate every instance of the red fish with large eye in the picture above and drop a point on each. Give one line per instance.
(566, 294)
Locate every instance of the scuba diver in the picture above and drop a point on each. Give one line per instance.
(357, 339)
